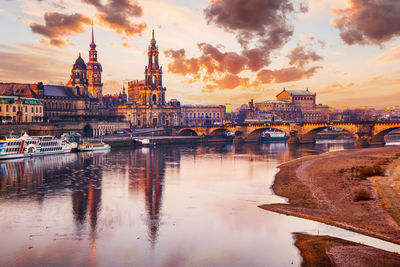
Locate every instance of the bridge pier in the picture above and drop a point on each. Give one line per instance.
(362, 142)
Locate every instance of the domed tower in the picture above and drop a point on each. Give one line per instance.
(78, 76)
(153, 76)
(94, 69)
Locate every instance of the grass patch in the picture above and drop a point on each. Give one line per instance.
(370, 171)
(362, 194)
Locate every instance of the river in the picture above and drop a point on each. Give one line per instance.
(164, 206)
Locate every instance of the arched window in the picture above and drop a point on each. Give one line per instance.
(154, 99)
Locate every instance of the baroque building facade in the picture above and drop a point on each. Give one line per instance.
(202, 114)
(79, 100)
(14, 109)
(146, 105)
(290, 106)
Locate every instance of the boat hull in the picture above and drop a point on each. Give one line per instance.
(31, 155)
(273, 139)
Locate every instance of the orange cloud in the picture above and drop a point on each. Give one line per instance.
(214, 64)
(116, 15)
(260, 27)
(58, 25)
(299, 56)
(368, 22)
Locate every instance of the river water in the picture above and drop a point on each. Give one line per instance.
(164, 206)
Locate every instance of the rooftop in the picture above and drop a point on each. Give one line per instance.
(273, 102)
(299, 92)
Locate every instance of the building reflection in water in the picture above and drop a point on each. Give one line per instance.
(86, 194)
(81, 177)
(39, 177)
(36, 177)
(146, 175)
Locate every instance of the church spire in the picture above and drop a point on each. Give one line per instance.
(153, 40)
(92, 45)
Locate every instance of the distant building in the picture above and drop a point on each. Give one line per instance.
(293, 106)
(14, 109)
(202, 114)
(147, 106)
(302, 99)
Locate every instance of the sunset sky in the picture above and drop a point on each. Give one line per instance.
(216, 51)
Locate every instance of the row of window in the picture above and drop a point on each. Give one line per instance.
(10, 150)
(14, 109)
(303, 98)
(27, 119)
(201, 115)
(47, 143)
(47, 149)
(17, 143)
(50, 106)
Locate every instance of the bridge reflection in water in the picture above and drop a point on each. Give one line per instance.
(145, 206)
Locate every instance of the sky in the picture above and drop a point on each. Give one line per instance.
(214, 51)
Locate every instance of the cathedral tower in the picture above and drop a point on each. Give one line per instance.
(94, 69)
(153, 77)
(79, 80)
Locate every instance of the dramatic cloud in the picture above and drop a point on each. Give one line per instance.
(58, 25)
(260, 27)
(300, 57)
(116, 15)
(285, 75)
(368, 21)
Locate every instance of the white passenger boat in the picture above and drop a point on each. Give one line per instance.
(93, 146)
(273, 136)
(30, 146)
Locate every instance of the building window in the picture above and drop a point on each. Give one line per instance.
(32, 109)
(26, 109)
(14, 109)
(7, 108)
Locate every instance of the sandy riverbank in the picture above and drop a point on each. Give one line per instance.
(323, 188)
(331, 251)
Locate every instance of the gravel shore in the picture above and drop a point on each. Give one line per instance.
(326, 188)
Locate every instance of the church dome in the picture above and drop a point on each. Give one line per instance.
(79, 62)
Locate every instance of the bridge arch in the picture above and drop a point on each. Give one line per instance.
(187, 132)
(379, 138)
(309, 137)
(255, 134)
(219, 132)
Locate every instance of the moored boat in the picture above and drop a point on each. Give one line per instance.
(145, 141)
(273, 136)
(93, 146)
(31, 146)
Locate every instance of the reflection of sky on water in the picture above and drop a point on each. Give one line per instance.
(188, 205)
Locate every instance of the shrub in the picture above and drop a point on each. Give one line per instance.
(369, 171)
(362, 194)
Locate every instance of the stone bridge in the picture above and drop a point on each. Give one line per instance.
(365, 133)
(87, 129)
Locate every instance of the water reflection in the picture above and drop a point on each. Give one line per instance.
(182, 205)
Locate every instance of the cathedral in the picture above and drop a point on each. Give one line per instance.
(86, 78)
(146, 98)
